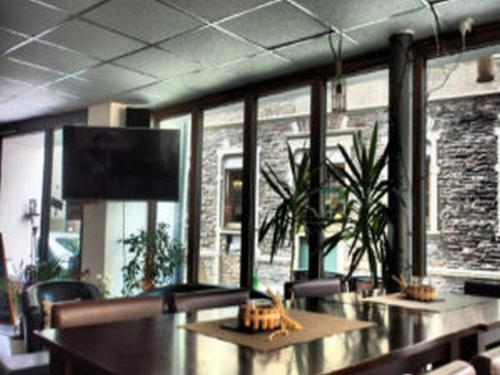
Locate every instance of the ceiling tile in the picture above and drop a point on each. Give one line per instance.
(28, 17)
(72, 6)
(10, 87)
(259, 67)
(352, 13)
(84, 89)
(211, 80)
(158, 63)
(376, 37)
(25, 73)
(314, 51)
(53, 57)
(9, 40)
(147, 20)
(210, 46)
(452, 12)
(273, 25)
(92, 40)
(214, 10)
(160, 93)
(116, 78)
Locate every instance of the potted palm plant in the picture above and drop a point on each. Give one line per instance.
(154, 257)
(290, 216)
(369, 217)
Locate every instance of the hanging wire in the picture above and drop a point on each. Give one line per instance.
(436, 27)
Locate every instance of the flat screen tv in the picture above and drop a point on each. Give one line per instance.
(120, 163)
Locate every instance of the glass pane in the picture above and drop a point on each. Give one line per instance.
(65, 217)
(22, 174)
(462, 139)
(221, 195)
(367, 98)
(175, 214)
(283, 121)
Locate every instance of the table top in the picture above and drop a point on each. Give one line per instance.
(159, 346)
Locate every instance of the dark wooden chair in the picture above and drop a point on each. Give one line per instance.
(488, 363)
(85, 313)
(208, 299)
(312, 288)
(454, 368)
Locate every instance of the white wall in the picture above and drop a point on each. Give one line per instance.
(21, 180)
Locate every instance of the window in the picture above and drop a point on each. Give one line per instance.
(65, 217)
(220, 232)
(175, 214)
(283, 120)
(232, 197)
(462, 153)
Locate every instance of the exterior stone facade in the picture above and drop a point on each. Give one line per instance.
(466, 187)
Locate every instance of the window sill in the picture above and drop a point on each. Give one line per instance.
(464, 274)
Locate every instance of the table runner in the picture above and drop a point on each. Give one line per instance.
(316, 325)
(444, 303)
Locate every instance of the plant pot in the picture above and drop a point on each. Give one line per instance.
(147, 285)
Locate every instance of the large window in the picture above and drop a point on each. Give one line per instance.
(221, 188)
(22, 178)
(175, 214)
(283, 121)
(366, 103)
(65, 217)
(463, 168)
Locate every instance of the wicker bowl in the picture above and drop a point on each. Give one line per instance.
(259, 315)
(420, 292)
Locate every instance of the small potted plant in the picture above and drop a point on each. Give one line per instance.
(153, 259)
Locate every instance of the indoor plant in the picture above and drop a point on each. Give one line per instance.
(153, 258)
(291, 214)
(369, 217)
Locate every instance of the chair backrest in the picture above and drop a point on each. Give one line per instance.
(454, 368)
(312, 288)
(52, 291)
(206, 299)
(61, 290)
(167, 292)
(488, 363)
(87, 313)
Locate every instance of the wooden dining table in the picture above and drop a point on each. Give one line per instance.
(401, 341)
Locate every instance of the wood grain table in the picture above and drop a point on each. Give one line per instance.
(401, 341)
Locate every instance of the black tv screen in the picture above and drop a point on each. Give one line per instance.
(120, 163)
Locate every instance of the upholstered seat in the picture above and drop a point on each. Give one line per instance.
(86, 313)
(206, 299)
(454, 368)
(53, 291)
(312, 288)
(488, 363)
(486, 288)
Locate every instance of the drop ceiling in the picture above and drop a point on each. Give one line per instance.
(61, 55)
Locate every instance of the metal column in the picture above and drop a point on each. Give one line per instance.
(400, 151)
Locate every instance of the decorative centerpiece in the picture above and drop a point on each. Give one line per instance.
(264, 315)
(417, 292)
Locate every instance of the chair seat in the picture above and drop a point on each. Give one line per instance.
(25, 364)
(454, 368)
